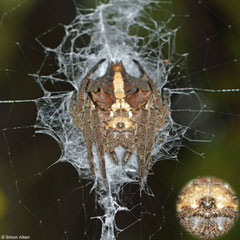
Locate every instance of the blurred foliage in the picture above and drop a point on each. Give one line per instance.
(3, 210)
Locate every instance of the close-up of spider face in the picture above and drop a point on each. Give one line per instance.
(118, 109)
(207, 207)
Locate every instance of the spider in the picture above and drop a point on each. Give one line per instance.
(207, 207)
(118, 109)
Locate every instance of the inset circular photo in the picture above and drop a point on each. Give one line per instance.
(207, 207)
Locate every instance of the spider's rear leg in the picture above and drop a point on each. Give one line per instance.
(128, 154)
(113, 156)
(131, 145)
(109, 148)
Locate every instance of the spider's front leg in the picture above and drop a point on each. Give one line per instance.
(75, 113)
(87, 133)
(156, 121)
(82, 96)
(163, 114)
(152, 129)
(142, 135)
(97, 129)
(81, 120)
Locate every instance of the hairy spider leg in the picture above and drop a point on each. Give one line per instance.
(155, 94)
(127, 144)
(82, 94)
(142, 135)
(113, 157)
(81, 116)
(130, 148)
(154, 89)
(77, 120)
(151, 137)
(87, 134)
(82, 121)
(109, 148)
(97, 129)
(111, 153)
(155, 125)
(164, 112)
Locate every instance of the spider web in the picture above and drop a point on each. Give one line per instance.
(47, 48)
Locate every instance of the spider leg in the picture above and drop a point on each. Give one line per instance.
(99, 142)
(87, 133)
(76, 118)
(151, 137)
(85, 81)
(82, 121)
(163, 113)
(128, 154)
(109, 147)
(131, 145)
(156, 94)
(81, 117)
(154, 89)
(113, 157)
(154, 125)
(142, 134)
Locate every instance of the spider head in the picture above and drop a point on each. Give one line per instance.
(207, 202)
(117, 90)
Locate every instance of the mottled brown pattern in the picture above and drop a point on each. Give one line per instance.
(138, 99)
(119, 110)
(102, 99)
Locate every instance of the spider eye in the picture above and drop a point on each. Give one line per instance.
(120, 125)
(207, 202)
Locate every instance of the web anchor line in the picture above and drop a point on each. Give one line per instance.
(23, 100)
(177, 90)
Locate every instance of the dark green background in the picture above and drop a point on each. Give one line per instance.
(31, 154)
